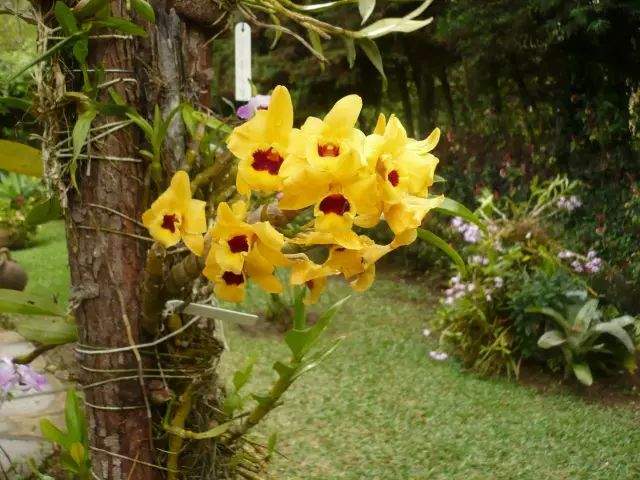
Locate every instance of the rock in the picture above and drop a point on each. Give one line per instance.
(12, 275)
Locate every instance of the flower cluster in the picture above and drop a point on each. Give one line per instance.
(569, 203)
(328, 168)
(457, 290)
(580, 264)
(470, 232)
(21, 377)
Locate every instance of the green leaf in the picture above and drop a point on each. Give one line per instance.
(316, 43)
(19, 158)
(587, 313)
(316, 359)
(46, 54)
(277, 32)
(81, 131)
(618, 332)
(12, 301)
(366, 7)
(437, 242)
(372, 52)
(45, 211)
(283, 370)
(551, 339)
(77, 452)
(81, 50)
(89, 8)
(53, 433)
(301, 341)
(143, 124)
(456, 209)
(74, 418)
(242, 376)
(144, 9)
(392, 25)
(65, 18)
(16, 103)
(554, 314)
(122, 25)
(47, 331)
(350, 46)
(583, 373)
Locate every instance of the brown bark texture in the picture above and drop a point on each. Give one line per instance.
(107, 263)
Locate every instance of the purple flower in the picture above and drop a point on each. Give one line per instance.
(248, 110)
(8, 375)
(30, 379)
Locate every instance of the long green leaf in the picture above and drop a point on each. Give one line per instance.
(350, 47)
(47, 54)
(74, 418)
(65, 18)
(372, 52)
(81, 130)
(144, 9)
(366, 7)
(19, 158)
(53, 433)
(551, 339)
(122, 25)
(437, 242)
(12, 301)
(301, 341)
(583, 373)
(89, 8)
(554, 314)
(392, 25)
(618, 332)
(456, 209)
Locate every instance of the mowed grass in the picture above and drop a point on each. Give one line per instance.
(380, 409)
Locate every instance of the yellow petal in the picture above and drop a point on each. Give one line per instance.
(226, 259)
(381, 124)
(230, 293)
(343, 116)
(268, 283)
(180, 185)
(153, 219)
(348, 262)
(280, 116)
(315, 288)
(431, 141)
(268, 235)
(303, 189)
(194, 219)
(408, 214)
(364, 280)
(194, 242)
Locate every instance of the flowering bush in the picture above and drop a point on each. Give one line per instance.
(517, 269)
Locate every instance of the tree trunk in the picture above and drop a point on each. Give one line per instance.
(106, 271)
(106, 259)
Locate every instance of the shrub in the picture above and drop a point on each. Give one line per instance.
(519, 270)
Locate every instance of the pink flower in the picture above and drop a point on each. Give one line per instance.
(248, 110)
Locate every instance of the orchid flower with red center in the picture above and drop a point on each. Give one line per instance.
(262, 145)
(175, 216)
(240, 250)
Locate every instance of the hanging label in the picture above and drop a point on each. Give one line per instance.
(243, 61)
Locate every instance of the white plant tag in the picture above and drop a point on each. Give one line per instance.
(209, 311)
(243, 61)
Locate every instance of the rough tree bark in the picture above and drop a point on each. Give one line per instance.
(106, 261)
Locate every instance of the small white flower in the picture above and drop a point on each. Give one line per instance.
(438, 356)
(498, 282)
(426, 332)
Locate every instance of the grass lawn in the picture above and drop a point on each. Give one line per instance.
(380, 409)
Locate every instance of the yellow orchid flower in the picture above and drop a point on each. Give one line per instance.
(175, 216)
(403, 165)
(313, 276)
(409, 213)
(332, 145)
(262, 145)
(240, 250)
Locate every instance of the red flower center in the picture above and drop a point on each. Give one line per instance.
(328, 150)
(169, 222)
(335, 203)
(267, 161)
(239, 243)
(309, 284)
(231, 278)
(394, 178)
